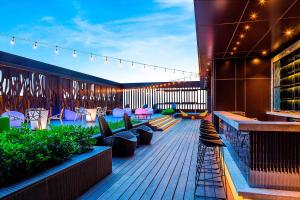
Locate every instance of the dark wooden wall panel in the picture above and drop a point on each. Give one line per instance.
(258, 98)
(225, 98)
(21, 89)
(242, 84)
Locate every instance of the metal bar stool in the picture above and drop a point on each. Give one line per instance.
(209, 159)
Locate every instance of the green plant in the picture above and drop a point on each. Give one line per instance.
(168, 111)
(24, 152)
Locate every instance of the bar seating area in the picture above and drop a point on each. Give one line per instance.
(231, 134)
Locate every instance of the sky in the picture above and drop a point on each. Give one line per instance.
(156, 32)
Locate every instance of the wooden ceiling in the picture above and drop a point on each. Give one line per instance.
(220, 23)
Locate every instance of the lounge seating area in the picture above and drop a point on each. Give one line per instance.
(158, 100)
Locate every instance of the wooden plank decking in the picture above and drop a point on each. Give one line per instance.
(163, 170)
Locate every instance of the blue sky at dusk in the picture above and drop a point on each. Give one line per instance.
(158, 32)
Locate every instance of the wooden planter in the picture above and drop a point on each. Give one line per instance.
(65, 181)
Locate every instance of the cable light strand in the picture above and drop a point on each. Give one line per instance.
(92, 56)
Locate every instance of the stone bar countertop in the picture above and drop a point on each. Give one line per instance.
(242, 123)
(287, 114)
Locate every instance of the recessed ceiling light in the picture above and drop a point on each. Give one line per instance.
(262, 2)
(253, 15)
(264, 52)
(247, 27)
(242, 35)
(289, 32)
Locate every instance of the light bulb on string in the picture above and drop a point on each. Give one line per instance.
(120, 63)
(92, 58)
(12, 41)
(132, 65)
(74, 54)
(56, 51)
(106, 61)
(174, 71)
(34, 45)
(165, 69)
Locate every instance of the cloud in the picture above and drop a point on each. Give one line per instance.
(47, 19)
(186, 4)
(163, 39)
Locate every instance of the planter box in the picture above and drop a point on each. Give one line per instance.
(65, 181)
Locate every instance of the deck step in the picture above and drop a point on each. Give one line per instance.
(168, 125)
(162, 121)
(153, 121)
(165, 121)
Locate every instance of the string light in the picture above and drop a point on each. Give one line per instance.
(12, 41)
(34, 45)
(238, 43)
(106, 60)
(92, 56)
(234, 48)
(242, 35)
(56, 51)
(120, 63)
(74, 53)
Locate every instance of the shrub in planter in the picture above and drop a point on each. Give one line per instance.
(24, 152)
(168, 111)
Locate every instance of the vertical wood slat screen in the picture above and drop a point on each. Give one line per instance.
(187, 98)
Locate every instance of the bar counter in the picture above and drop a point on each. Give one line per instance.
(267, 153)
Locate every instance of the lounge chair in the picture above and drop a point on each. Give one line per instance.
(195, 116)
(128, 111)
(145, 133)
(57, 116)
(16, 118)
(38, 118)
(91, 115)
(118, 112)
(123, 143)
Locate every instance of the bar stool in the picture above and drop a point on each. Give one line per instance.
(213, 159)
(210, 157)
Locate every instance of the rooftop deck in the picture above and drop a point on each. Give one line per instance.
(164, 170)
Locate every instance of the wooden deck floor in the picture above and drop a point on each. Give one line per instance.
(163, 170)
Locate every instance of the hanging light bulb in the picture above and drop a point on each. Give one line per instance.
(34, 45)
(56, 51)
(120, 63)
(165, 69)
(74, 53)
(132, 65)
(106, 61)
(174, 71)
(182, 72)
(12, 41)
(92, 58)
